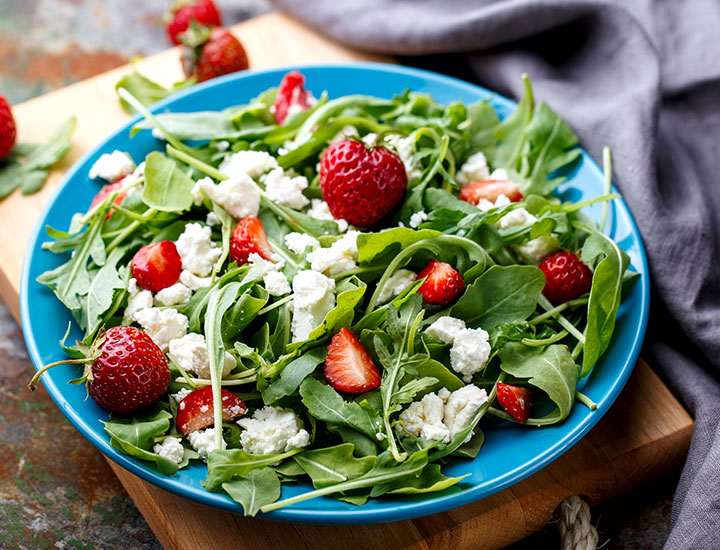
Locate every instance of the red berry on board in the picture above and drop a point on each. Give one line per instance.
(204, 12)
(196, 411)
(361, 185)
(156, 266)
(8, 131)
(292, 97)
(247, 238)
(515, 400)
(490, 190)
(443, 284)
(349, 367)
(221, 53)
(566, 277)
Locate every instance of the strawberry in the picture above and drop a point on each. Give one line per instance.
(249, 236)
(348, 365)
(8, 132)
(211, 52)
(566, 277)
(442, 285)
(361, 185)
(196, 412)
(105, 191)
(292, 97)
(156, 266)
(490, 190)
(183, 12)
(125, 370)
(515, 400)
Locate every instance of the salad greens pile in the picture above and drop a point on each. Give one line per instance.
(356, 449)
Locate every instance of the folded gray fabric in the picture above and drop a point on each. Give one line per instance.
(644, 78)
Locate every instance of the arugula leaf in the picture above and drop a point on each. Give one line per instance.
(102, 290)
(254, 490)
(332, 465)
(430, 480)
(293, 374)
(145, 90)
(167, 188)
(231, 464)
(202, 125)
(511, 132)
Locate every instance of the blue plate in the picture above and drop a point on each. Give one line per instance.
(510, 453)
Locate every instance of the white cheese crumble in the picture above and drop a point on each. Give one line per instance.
(286, 189)
(515, 218)
(446, 329)
(139, 299)
(339, 258)
(396, 283)
(417, 218)
(263, 266)
(345, 133)
(162, 325)
(170, 448)
(276, 283)
(369, 139)
(460, 408)
(250, 163)
(272, 430)
(181, 394)
(470, 352)
(174, 295)
(320, 210)
(190, 352)
(313, 298)
(192, 281)
(485, 205)
(203, 441)
(238, 195)
(197, 250)
(212, 219)
(405, 147)
(474, 169)
(112, 166)
(298, 243)
(536, 250)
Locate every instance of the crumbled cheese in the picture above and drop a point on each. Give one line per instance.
(250, 163)
(170, 448)
(264, 266)
(162, 325)
(369, 139)
(485, 205)
(536, 250)
(345, 133)
(191, 354)
(460, 408)
(197, 250)
(320, 210)
(181, 394)
(272, 430)
(470, 352)
(417, 218)
(313, 298)
(424, 419)
(173, 295)
(515, 218)
(396, 283)
(446, 329)
(339, 258)
(112, 166)
(288, 146)
(276, 283)
(474, 169)
(139, 299)
(238, 195)
(203, 441)
(212, 219)
(299, 242)
(405, 147)
(222, 145)
(192, 281)
(286, 189)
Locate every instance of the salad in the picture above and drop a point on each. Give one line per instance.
(342, 291)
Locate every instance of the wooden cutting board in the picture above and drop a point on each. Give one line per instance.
(645, 435)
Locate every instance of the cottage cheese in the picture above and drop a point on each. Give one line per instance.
(170, 448)
(446, 329)
(396, 283)
(272, 430)
(203, 441)
(174, 295)
(536, 250)
(424, 419)
(470, 352)
(515, 218)
(162, 325)
(405, 147)
(320, 210)
(181, 394)
(345, 133)
(197, 249)
(112, 166)
(212, 219)
(369, 139)
(339, 258)
(276, 283)
(286, 189)
(193, 282)
(417, 218)
(474, 169)
(460, 408)
(298, 243)
(264, 266)
(191, 354)
(238, 195)
(250, 163)
(313, 298)
(485, 205)
(139, 299)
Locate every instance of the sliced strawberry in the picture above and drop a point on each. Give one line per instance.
(349, 367)
(196, 412)
(156, 266)
(515, 400)
(442, 285)
(249, 236)
(566, 277)
(490, 190)
(105, 191)
(292, 97)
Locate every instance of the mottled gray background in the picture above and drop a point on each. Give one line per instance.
(56, 490)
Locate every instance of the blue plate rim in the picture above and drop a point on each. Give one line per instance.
(357, 515)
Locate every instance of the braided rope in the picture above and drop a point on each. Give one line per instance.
(576, 531)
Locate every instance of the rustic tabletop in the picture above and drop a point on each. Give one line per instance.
(77, 502)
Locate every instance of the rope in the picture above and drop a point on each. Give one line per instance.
(576, 531)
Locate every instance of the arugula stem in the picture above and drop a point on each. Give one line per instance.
(197, 382)
(82, 255)
(274, 305)
(126, 233)
(357, 271)
(607, 170)
(585, 400)
(557, 309)
(577, 349)
(575, 206)
(547, 306)
(538, 343)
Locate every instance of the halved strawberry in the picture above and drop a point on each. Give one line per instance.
(249, 236)
(292, 97)
(105, 191)
(515, 400)
(156, 266)
(195, 412)
(349, 367)
(443, 284)
(490, 190)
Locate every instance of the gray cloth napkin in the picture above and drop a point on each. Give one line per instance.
(643, 77)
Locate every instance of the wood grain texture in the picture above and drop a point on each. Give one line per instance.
(645, 435)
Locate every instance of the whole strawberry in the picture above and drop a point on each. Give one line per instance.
(183, 12)
(8, 132)
(361, 185)
(209, 53)
(125, 370)
(566, 277)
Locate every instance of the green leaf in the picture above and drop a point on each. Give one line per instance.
(511, 132)
(164, 465)
(145, 90)
(241, 314)
(430, 480)
(201, 125)
(231, 464)
(254, 490)
(333, 465)
(293, 374)
(167, 188)
(140, 429)
(374, 247)
(102, 290)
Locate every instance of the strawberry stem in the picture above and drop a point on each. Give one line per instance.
(35, 379)
(585, 400)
